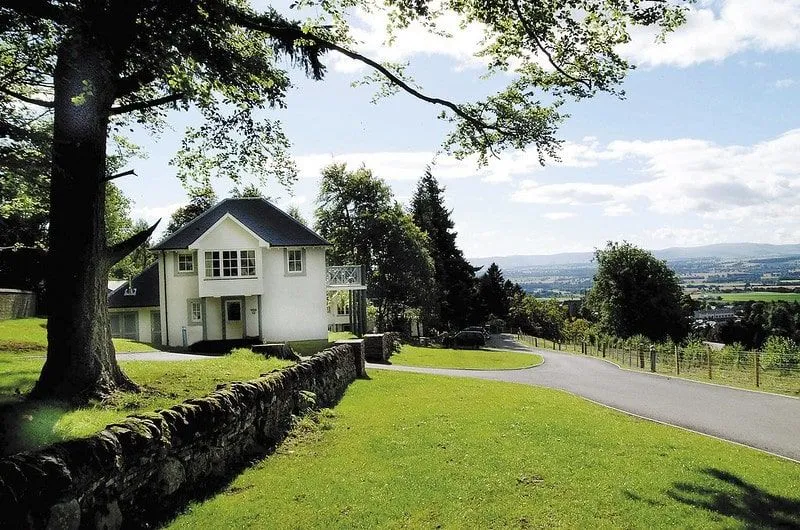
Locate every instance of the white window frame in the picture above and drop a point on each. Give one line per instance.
(229, 263)
(178, 263)
(290, 261)
(195, 318)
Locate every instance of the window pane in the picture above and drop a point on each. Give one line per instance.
(295, 261)
(185, 263)
(248, 262)
(197, 312)
(229, 263)
(212, 264)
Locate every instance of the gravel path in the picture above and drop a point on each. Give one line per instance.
(765, 421)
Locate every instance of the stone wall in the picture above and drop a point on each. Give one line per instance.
(17, 304)
(142, 470)
(378, 347)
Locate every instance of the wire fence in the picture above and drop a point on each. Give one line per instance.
(769, 371)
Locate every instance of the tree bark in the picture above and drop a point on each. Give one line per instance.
(81, 362)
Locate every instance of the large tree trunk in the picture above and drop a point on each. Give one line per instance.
(81, 363)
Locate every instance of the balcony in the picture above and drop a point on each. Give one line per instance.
(345, 278)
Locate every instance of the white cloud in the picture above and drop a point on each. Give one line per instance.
(558, 216)
(785, 83)
(742, 184)
(369, 32)
(151, 214)
(716, 30)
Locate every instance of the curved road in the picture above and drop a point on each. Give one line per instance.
(765, 421)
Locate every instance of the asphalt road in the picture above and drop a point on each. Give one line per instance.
(764, 421)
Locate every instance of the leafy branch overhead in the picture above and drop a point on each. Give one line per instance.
(229, 61)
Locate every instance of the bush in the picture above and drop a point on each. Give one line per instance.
(780, 353)
(469, 339)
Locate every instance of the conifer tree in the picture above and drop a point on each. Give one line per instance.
(455, 277)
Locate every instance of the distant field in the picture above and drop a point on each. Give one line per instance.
(754, 296)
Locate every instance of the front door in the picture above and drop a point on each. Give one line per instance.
(155, 327)
(234, 327)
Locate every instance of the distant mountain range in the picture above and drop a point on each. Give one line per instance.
(725, 251)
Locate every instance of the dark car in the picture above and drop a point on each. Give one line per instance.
(480, 329)
(469, 339)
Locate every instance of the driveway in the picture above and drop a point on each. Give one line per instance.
(159, 356)
(765, 421)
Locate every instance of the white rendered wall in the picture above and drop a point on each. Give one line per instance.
(179, 290)
(227, 235)
(294, 307)
(250, 311)
(214, 318)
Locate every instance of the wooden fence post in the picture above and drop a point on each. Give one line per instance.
(709, 362)
(677, 361)
(758, 374)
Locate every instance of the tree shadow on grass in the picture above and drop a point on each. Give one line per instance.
(731, 496)
(28, 425)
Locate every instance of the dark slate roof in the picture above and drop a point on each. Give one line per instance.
(266, 220)
(146, 285)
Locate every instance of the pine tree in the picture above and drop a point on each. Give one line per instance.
(455, 277)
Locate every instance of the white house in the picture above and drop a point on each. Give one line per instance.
(243, 269)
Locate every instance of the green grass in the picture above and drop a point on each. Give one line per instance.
(418, 451)
(164, 383)
(310, 347)
(433, 357)
(754, 296)
(29, 335)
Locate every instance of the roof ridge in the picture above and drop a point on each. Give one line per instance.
(306, 228)
(193, 221)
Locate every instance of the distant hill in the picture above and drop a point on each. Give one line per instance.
(724, 251)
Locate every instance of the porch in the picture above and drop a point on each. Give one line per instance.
(349, 280)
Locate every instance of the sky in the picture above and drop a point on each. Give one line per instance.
(705, 148)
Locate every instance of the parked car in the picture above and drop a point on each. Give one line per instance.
(480, 329)
(469, 339)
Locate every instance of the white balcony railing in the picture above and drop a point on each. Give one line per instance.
(345, 277)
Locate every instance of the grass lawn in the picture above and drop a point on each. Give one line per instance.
(419, 451)
(164, 383)
(29, 335)
(754, 296)
(310, 347)
(433, 357)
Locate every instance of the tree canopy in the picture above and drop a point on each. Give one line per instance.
(99, 66)
(636, 294)
(357, 213)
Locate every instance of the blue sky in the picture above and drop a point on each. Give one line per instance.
(704, 149)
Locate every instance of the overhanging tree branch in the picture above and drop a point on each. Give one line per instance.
(26, 99)
(118, 252)
(141, 105)
(293, 33)
(118, 175)
(540, 46)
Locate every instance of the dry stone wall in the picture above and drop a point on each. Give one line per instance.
(17, 304)
(142, 470)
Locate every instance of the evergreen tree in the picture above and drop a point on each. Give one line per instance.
(455, 277)
(493, 294)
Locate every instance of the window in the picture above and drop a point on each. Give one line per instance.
(195, 312)
(185, 263)
(247, 262)
(294, 261)
(231, 264)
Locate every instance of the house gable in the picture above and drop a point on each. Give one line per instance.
(228, 232)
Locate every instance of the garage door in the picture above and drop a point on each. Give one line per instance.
(125, 325)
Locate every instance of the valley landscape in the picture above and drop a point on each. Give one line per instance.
(735, 272)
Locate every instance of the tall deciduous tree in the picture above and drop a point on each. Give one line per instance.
(102, 64)
(636, 294)
(357, 213)
(201, 198)
(455, 277)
